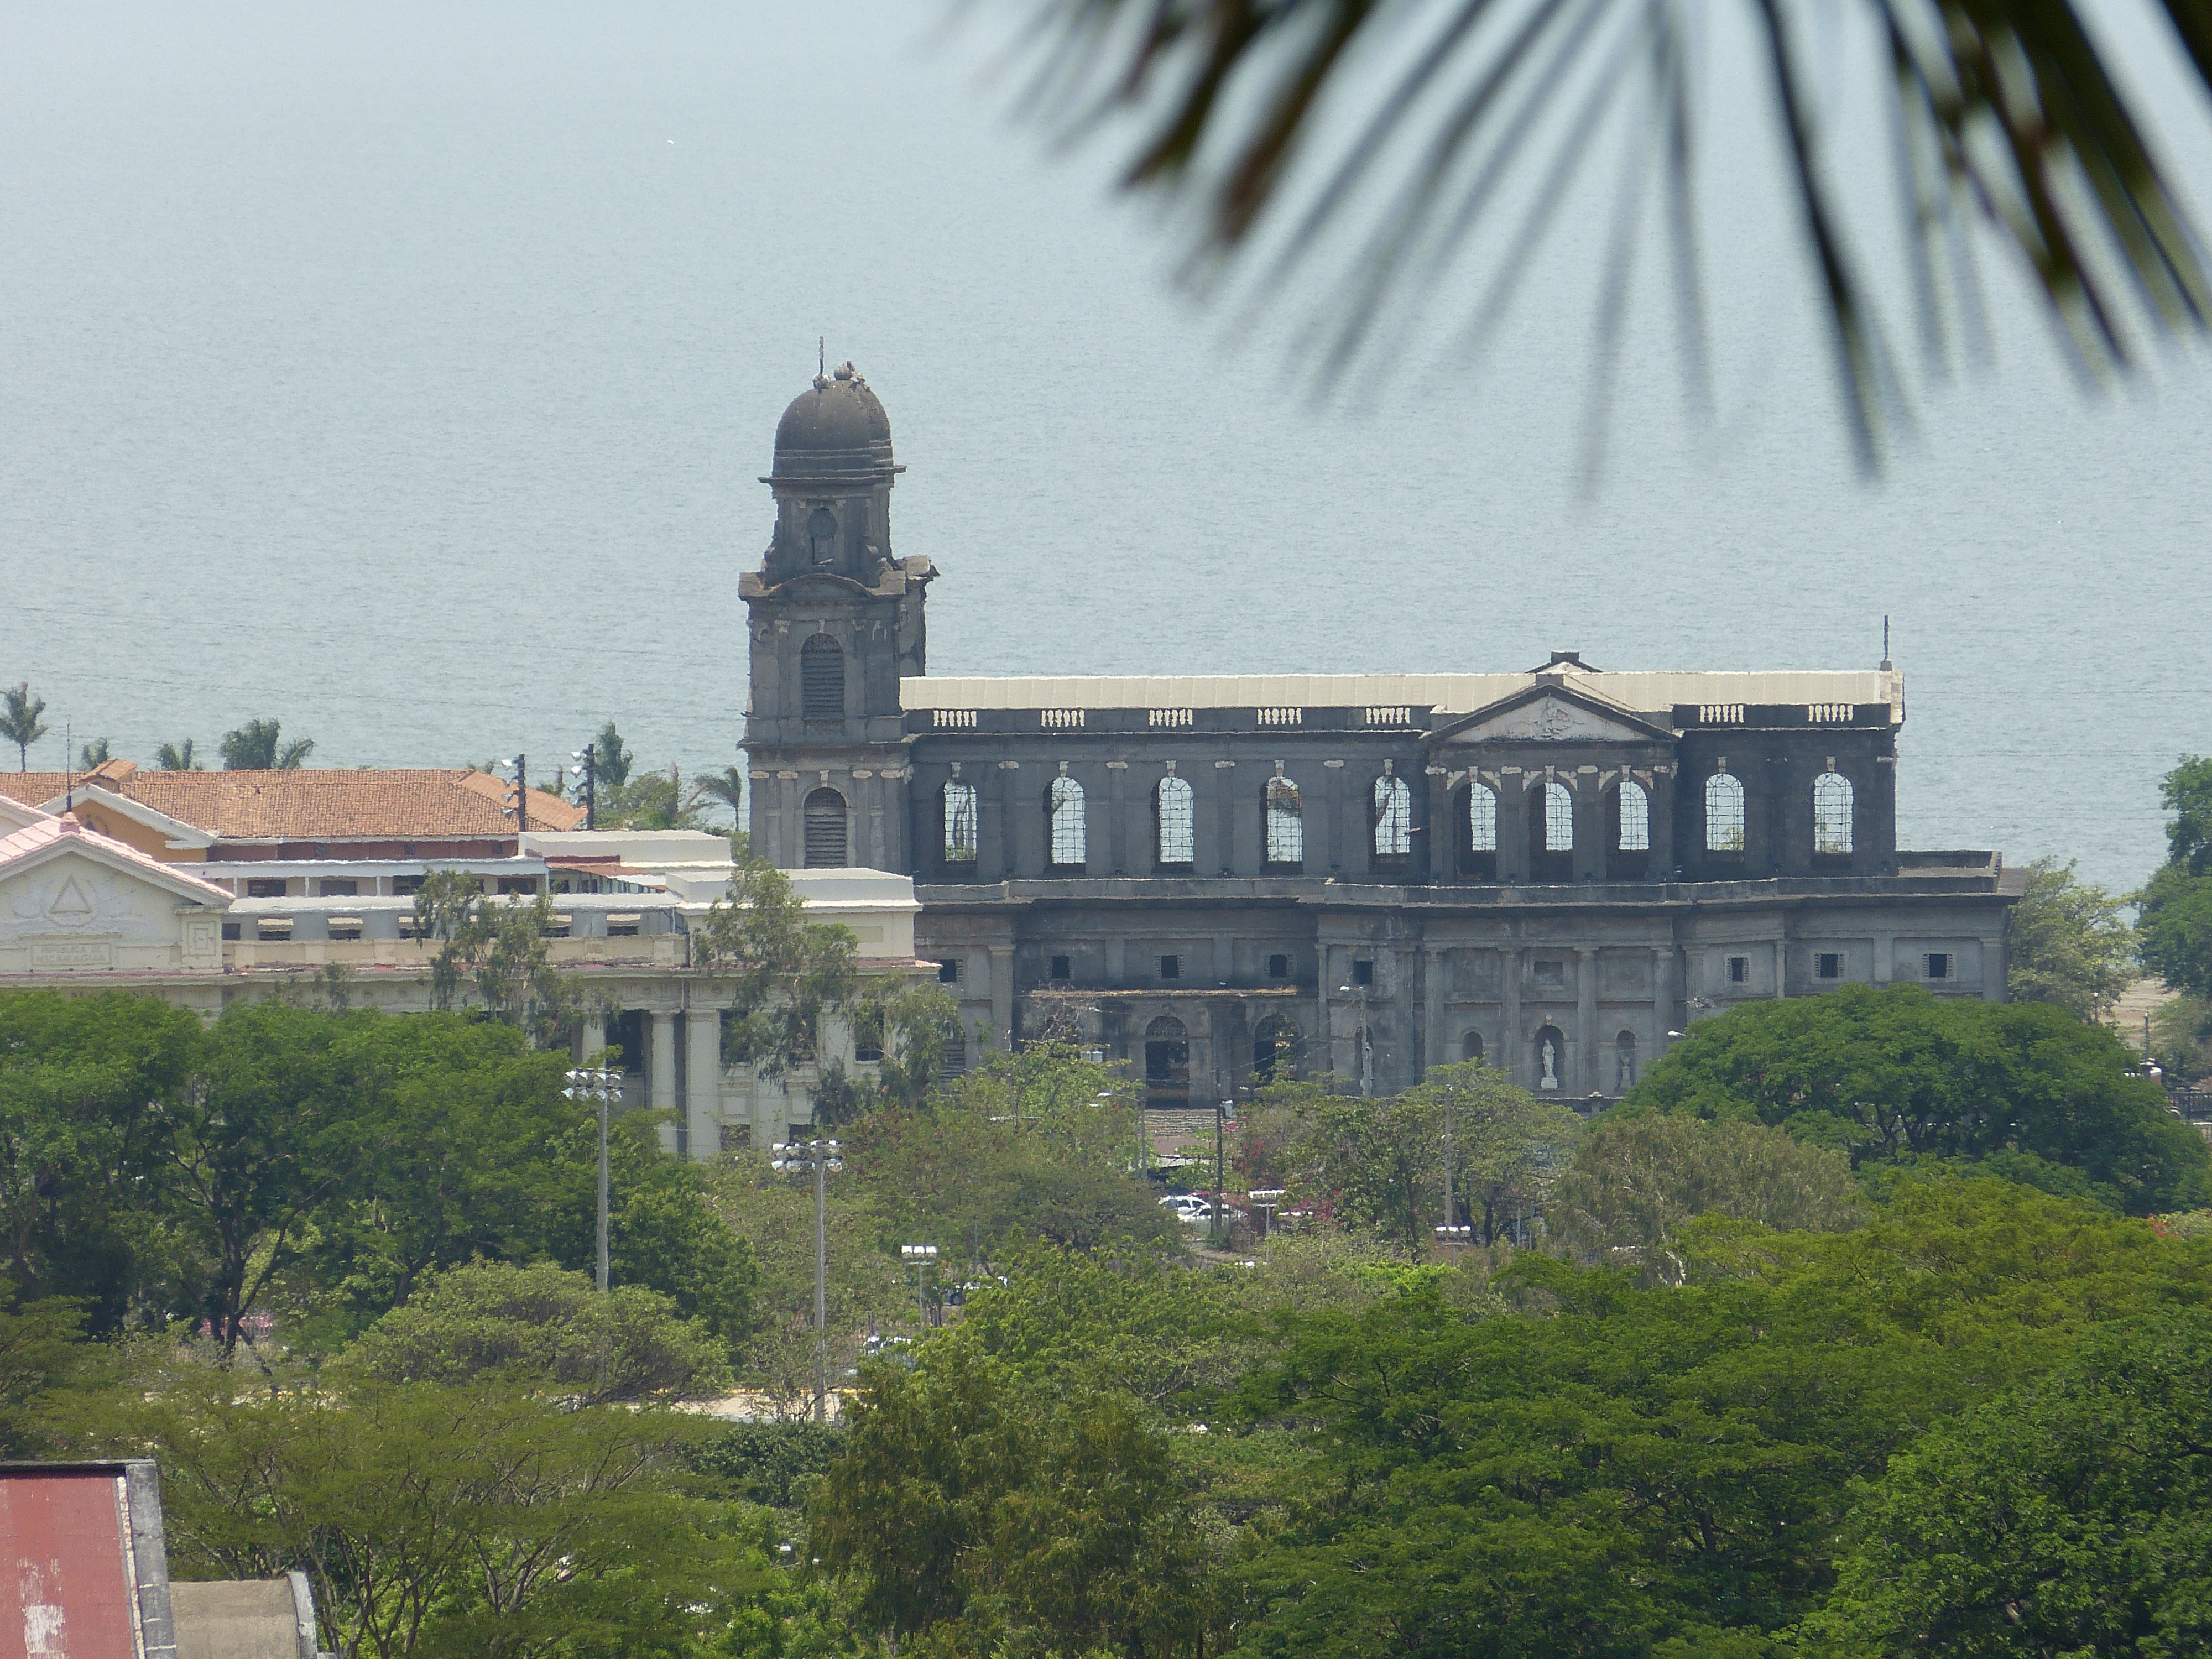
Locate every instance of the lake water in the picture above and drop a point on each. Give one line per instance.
(405, 372)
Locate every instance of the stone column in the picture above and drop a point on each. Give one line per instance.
(1435, 1050)
(1010, 836)
(1323, 1049)
(1885, 957)
(1782, 963)
(595, 1033)
(1002, 994)
(1117, 816)
(1590, 1039)
(660, 1070)
(1509, 1039)
(1662, 998)
(702, 1081)
(1224, 801)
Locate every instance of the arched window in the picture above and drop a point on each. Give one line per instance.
(1394, 817)
(1723, 814)
(821, 678)
(1832, 813)
(1275, 1047)
(1470, 1046)
(822, 536)
(1167, 1061)
(1175, 820)
(1064, 806)
(1558, 818)
(959, 823)
(1286, 823)
(1632, 808)
(1624, 1061)
(825, 830)
(1481, 819)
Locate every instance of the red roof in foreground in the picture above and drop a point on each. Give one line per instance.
(321, 803)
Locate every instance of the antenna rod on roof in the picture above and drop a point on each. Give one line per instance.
(69, 767)
(821, 354)
(1885, 645)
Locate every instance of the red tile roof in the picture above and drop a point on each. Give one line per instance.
(324, 804)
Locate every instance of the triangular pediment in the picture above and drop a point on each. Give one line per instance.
(1552, 713)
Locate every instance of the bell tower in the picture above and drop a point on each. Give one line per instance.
(836, 619)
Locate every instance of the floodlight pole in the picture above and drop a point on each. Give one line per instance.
(1451, 1215)
(821, 1292)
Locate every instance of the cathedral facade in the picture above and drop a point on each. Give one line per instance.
(1224, 879)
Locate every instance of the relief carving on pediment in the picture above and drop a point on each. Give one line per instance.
(76, 902)
(1552, 719)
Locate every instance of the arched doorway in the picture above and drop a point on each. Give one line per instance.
(1167, 1062)
(1276, 1047)
(1470, 1046)
(1549, 1051)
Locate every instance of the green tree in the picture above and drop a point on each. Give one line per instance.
(501, 950)
(1639, 1179)
(1898, 1074)
(2173, 927)
(2068, 943)
(651, 800)
(1414, 143)
(257, 746)
(1507, 1147)
(961, 1502)
(727, 786)
(2074, 1515)
(91, 1091)
(610, 761)
(19, 721)
(41, 1355)
(177, 757)
(2181, 1038)
(542, 1324)
(780, 971)
(92, 754)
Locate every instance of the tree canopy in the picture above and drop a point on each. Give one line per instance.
(1898, 1074)
(257, 747)
(2068, 943)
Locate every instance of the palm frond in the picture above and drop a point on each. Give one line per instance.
(2000, 112)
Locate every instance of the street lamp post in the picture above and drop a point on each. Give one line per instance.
(601, 1084)
(921, 1255)
(820, 1159)
(1219, 1235)
(1454, 1236)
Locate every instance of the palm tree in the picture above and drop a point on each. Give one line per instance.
(254, 747)
(93, 754)
(20, 723)
(727, 786)
(611, 762)
(172, 757)
(1999, 113)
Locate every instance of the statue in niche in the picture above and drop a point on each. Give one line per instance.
(1551, 1066)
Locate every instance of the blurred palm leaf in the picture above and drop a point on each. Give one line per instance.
(1999, 110)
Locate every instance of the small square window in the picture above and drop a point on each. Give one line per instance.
(230, 930)
(1279, 967)
(261, 887)
(1829, 964)
(948, 971)
(1061, 969)
(1739, 970)
(1170, 967)
(1363, 973)
(1938, 964)
(1551, 973)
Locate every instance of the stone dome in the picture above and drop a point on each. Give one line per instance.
(836, 429)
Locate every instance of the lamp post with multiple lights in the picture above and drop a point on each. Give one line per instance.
(602, 1084)
(920, 1256)
(821, 1159)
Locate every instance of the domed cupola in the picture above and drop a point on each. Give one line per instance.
(835, 432)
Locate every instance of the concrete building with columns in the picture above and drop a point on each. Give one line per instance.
(1217, 877)
(205, 889)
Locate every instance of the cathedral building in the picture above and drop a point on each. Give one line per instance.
(1223, 878)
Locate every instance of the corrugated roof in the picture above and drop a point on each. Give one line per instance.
(321, 803)
(1448, 694)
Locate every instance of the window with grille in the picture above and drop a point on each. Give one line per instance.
(959, 823)
(1558, 818)
(1828, 964)
(825, 830)
(1394, 817)
(1832, 813)
(1739, 970)
(1723, 814)
(948, 971)
(1063, 804)
(1286, 823)
(954, 1061)
(1176, 821)
(1635, 818)
(1937, 964)
(821, 678)
(1481, 819)
(1170, 967)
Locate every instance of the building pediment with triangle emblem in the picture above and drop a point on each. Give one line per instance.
(1553, 713)
(74, 900)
